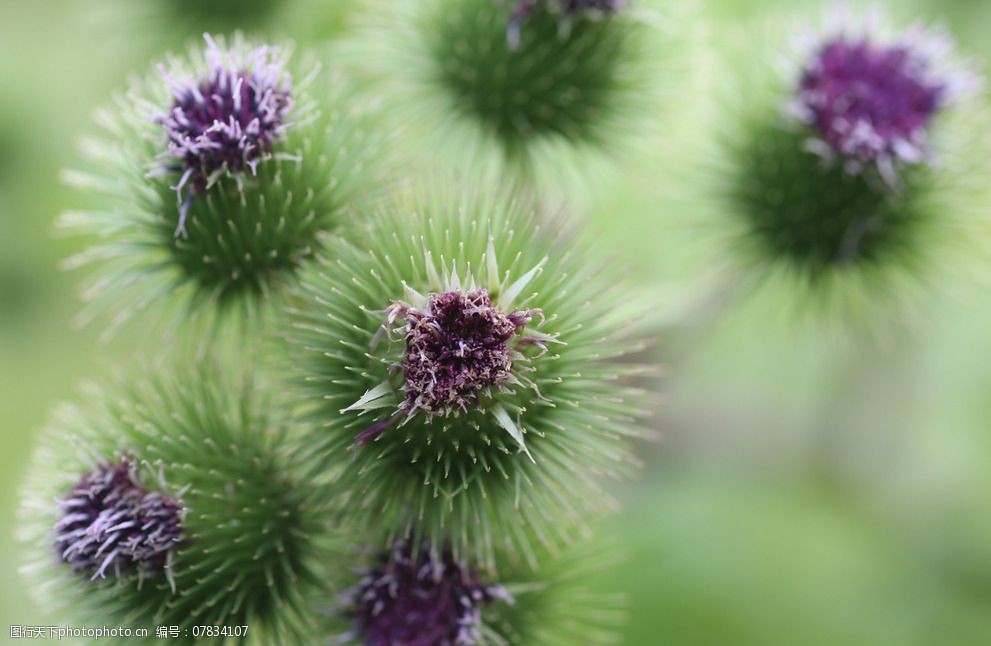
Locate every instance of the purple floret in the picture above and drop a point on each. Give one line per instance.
(226, 121)
(418, 599)
(455, 349)
(870, 103)
(110, 524)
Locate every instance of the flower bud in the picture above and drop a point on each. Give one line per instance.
(466, 371)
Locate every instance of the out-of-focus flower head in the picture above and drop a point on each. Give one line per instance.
(871, 97)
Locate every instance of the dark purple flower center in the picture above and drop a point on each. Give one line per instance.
(409, 599)
(109, 523)
(870, 103)
(224, 122)
(455, 349)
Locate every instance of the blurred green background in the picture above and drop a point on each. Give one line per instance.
(798, 497)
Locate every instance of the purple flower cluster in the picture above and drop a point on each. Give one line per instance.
(417, 599)
(109, 523)
(455, 349)
(224, 122)
(869, 103)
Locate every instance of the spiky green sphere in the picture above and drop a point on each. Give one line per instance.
(467, 368)
(192, 467)
(217, 176)
(551, 83)
(479, 82)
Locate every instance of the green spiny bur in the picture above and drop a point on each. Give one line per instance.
(553, 83)
(228, 235)
(537, 100)
(818, 217)
(250, 535)
(852, 178)
(516, 462)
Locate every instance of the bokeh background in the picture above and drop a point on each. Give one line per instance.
(799, 496)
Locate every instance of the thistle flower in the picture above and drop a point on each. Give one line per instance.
(110, 522)
(170, 501)
(854, 173)
(413, 595)
(526, 88)
(418, 598)
(466, 374)
(221, 174)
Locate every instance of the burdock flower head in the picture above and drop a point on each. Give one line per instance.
(419, 598)
(463, 364)
(224, 121)
(111, 524)
(220, 174)
(192, 514)
(834, 169)
(871, 101)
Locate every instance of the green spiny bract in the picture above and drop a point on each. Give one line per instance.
(192, 446)
(818, 217)
(473, 457)
(199, 214)
(482, 85)
(854, 176)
